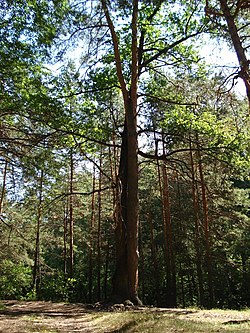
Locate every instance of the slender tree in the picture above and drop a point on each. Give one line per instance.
(3, 186)
(37, 256)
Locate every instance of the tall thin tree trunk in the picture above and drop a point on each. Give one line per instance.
(167, 229)
(142, 263)
(181, 231)
(92, 222)
(154, 259)
(197, 231)
(65, 235)
(71, 218)
(99, 233)
(206, 228)
(3, 186)
(37, 264)
(106, 269)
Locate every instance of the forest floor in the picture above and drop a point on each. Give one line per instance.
(47, 317)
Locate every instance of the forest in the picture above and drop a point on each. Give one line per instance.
(125, 151)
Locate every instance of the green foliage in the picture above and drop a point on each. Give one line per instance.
(46, 118)
(56, 287)
(15, 279)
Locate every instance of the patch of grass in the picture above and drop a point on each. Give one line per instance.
(41, 329)
(132, 322)
(2, 306)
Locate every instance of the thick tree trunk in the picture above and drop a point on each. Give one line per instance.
(125, 282)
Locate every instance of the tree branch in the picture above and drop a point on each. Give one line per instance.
(169, 47)
(116, 51)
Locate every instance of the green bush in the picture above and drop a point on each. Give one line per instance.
(56, 287)
(15, 279)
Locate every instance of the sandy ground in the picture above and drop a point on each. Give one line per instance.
(23, 317)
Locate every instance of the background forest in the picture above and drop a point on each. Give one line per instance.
(65, 70)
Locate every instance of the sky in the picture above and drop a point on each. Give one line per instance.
(223, 59)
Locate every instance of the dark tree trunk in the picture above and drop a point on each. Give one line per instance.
(125, 282)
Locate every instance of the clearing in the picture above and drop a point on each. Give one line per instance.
(47, 317)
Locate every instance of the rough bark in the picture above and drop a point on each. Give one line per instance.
(125, 282)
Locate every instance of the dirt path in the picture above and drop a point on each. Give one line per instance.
(23, 317)
(47, 317)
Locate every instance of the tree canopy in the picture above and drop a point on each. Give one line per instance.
(124, 154)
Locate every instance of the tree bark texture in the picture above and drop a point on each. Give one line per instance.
(125, 282)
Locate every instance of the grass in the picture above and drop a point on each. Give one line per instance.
(2, 306)
(128, 322)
